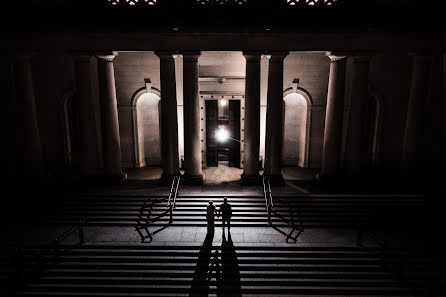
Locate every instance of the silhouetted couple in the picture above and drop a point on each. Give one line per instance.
(226, 214)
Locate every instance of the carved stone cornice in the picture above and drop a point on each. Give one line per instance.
(106, 57)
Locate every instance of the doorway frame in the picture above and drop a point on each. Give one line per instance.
(137, 162)
(216, 96)
(304, 93)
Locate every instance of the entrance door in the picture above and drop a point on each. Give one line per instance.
(221, 115)
(211, 127)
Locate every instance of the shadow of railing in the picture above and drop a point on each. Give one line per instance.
(289, 220)
(25, 267)
(401, 262)
(147, 216)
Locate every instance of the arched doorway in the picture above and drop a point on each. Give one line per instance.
(146, 127)
(373, 128)
(296, 128)
(70, 129)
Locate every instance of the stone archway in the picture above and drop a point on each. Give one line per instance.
(69, 121)
(146, 127)
(296, 127)
(373, 126)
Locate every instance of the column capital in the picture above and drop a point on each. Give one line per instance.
(277, 55)
(166, 55)
(336, 58)
(81, 56)
(361, 58)
(422, 57)
(23, 56)
(191, 55)
(253, 55)
(106, 56)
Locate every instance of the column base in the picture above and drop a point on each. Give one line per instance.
(191, 179)
(251, 180)
(276, 179)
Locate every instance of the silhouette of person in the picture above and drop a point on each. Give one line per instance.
(226, 213)
(210, 216)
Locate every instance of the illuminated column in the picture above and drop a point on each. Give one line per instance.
(252, 119)
(274, 118)
(169, 118)
(334, 117)
(109, 118)
(413, 159)
(192, 145)
(89, 150)
(28, 138)
(355, 157)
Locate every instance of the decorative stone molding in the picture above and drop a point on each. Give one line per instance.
(107, 57)
(335, 59)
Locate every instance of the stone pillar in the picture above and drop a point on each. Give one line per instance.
(109, 118)
(355, 157)
(193, 173)
(252, 119)
(169, 118)
(89, 150)
(413, 159)
(274, 118)
(334, 117)
(29, 148)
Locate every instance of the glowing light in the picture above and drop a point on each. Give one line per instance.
(223, 102)
(222, 134)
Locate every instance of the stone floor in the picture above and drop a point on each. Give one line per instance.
(220, 174)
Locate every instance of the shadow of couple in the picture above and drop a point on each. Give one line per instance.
(217, 270)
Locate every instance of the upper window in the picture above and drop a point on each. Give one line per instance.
(132, 2)
(311, 2)
(227, 2)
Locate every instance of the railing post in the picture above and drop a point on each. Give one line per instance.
(81, 235)
(359, 235)
(269, 214)
(171, 209)
(56, 247)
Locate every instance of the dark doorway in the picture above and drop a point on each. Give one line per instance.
(371, 132)
(71, 123)
(222, 114)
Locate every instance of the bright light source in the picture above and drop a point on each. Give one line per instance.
(222, 134)
(223, 102)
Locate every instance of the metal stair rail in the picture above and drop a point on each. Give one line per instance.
(45, 256)
(146, 218)
(288, 220)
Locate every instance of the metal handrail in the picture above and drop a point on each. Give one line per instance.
(53, 247)
(269, 203)
(144, 223)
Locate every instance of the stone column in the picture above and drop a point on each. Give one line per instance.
(89, 150)
(355, 157)
(252, 119)
(412, 159)
(274, 118)
(29, 147)
(169, 118)
(109, 118)
(193, 173)
(334, 117)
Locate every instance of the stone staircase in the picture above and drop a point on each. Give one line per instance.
(224, 270)
(249, 211)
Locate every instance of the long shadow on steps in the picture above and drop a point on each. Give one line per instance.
(223, 267)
